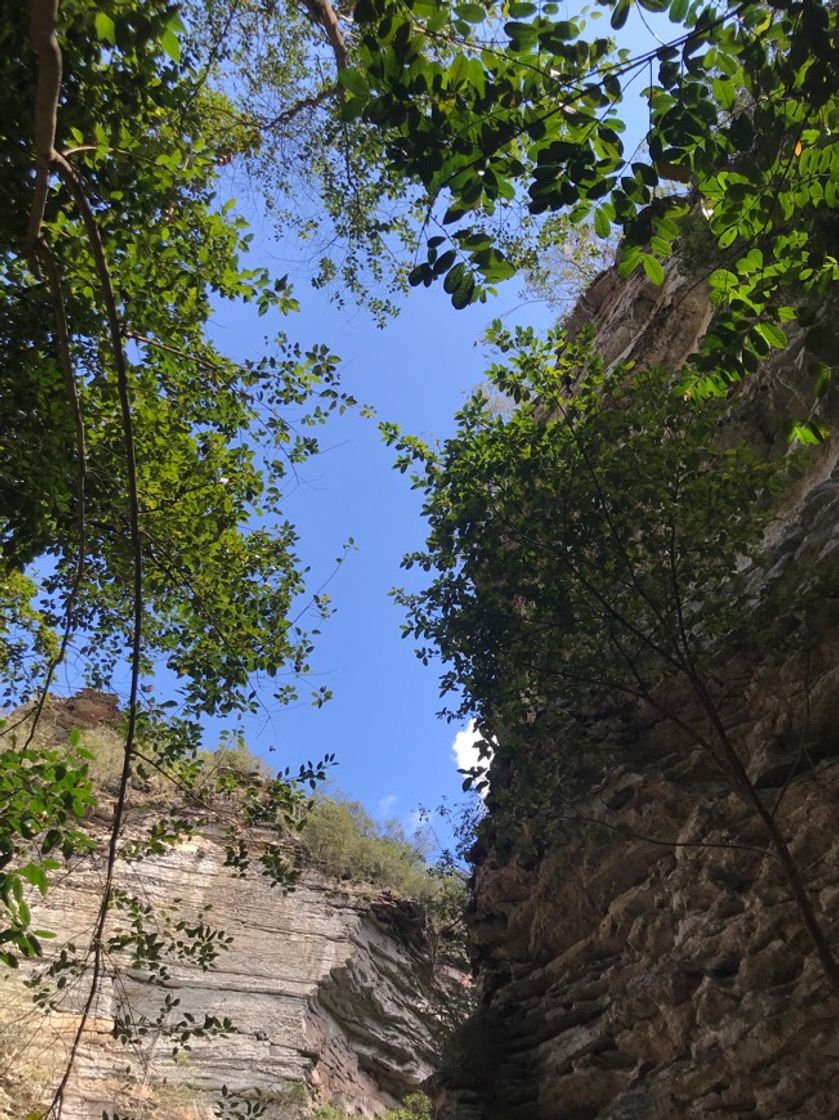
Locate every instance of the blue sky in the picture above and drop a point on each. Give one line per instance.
(393, 753)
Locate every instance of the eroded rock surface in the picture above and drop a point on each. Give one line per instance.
(654, 966)
(331, 990)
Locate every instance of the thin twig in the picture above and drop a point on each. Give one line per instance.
(311, 102)
(631, 834)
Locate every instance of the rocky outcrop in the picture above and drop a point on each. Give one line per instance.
(648, 962)
(656, 967)
(330, 988)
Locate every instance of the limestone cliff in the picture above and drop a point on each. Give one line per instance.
(655, 967)
(332, 990)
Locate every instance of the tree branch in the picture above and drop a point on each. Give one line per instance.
(322, 13)
(684, 663)
(311, 102)
(73, 183)
(631, 834)
(42, 19)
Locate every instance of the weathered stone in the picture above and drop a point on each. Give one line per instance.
(331, 990)
(710, 1001)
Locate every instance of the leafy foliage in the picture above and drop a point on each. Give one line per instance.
(142, 470)
(416, 1106)
(328, 190)
(339, 838)
(213, 438)
(480, 103)
(45, 793)
(578, 546)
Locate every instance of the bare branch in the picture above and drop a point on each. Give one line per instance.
(42, 18)
(631, 834)
(311, 102)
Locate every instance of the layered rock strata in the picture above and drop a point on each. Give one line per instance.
(330, 988)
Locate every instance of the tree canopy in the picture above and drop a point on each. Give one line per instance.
(496, 107)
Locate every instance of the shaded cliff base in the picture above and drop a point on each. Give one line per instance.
(631, 980)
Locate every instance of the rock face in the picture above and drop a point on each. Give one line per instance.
(331, 989)
(655, 966)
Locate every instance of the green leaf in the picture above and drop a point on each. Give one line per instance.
(444, 262)
(678, 10)
(628, 260)
(653, 269)
(105, 28)
(454, 278)
(75, 737)
(809, 433)
(772, 334)
(472, 13)
(171, 45)
(353, 80)
(353, 108)
(602, 225)
(823, 378)
(725, 92)
(475, 240)
(34, 874)
(463, 294)
(620, 14)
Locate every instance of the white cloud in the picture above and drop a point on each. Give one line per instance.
(414, 822)
(465, 748)
(386, 805)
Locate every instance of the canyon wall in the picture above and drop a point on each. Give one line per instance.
(332, 990)
(649, 962)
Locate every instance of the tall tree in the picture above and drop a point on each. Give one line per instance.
(141, 469)
(597, 545)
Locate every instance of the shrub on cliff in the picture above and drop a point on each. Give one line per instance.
(417, 1106)
(340, 837)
